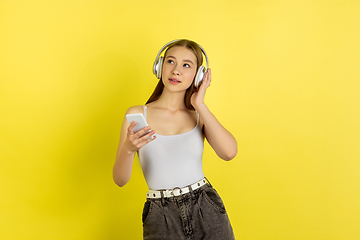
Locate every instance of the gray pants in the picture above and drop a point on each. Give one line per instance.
(199, 214)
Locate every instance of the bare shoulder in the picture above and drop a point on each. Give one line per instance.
(135, 109)
(152, 104)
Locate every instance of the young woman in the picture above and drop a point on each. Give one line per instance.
(181, 203)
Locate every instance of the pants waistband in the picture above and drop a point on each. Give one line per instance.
(176, 191)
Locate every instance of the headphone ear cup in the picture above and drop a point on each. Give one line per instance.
(159, 67)
(199, 76)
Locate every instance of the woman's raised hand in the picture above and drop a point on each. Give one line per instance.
(135, 141)
(198, 97)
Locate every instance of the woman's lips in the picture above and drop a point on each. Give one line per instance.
(174, 81)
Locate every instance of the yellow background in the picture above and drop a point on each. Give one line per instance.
(286, 83)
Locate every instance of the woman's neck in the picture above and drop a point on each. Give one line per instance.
(172, 100)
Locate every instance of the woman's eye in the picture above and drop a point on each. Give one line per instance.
(170, 61)
(186, 65)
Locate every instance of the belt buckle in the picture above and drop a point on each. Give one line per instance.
(180, 191)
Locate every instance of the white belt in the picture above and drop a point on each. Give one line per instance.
(176, 191)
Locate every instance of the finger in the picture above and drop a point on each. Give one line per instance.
(146, 135)
(209, 75)
(131, 126)
(151, 139)
(143, 143)
(142, 132)
(206, 77)
(205, 83)
(149, 136)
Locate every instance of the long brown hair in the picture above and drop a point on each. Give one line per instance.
(194, 47)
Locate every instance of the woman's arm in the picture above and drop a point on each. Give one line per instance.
(220, 139)
(129, 143)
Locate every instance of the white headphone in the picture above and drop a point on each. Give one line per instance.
(157, 68)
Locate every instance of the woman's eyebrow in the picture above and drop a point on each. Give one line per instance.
(185, 60)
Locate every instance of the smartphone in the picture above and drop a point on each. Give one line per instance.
(140, 122)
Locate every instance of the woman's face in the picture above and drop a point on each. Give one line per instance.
(179, 68)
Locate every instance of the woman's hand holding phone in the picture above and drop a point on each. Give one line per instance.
(136, 139)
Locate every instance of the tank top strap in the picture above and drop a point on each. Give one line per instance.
(145, 110)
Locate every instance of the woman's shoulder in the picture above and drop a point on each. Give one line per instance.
(135, 109)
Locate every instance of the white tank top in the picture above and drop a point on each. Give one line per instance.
(172, 161)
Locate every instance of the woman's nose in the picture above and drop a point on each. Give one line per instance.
(176, 70)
